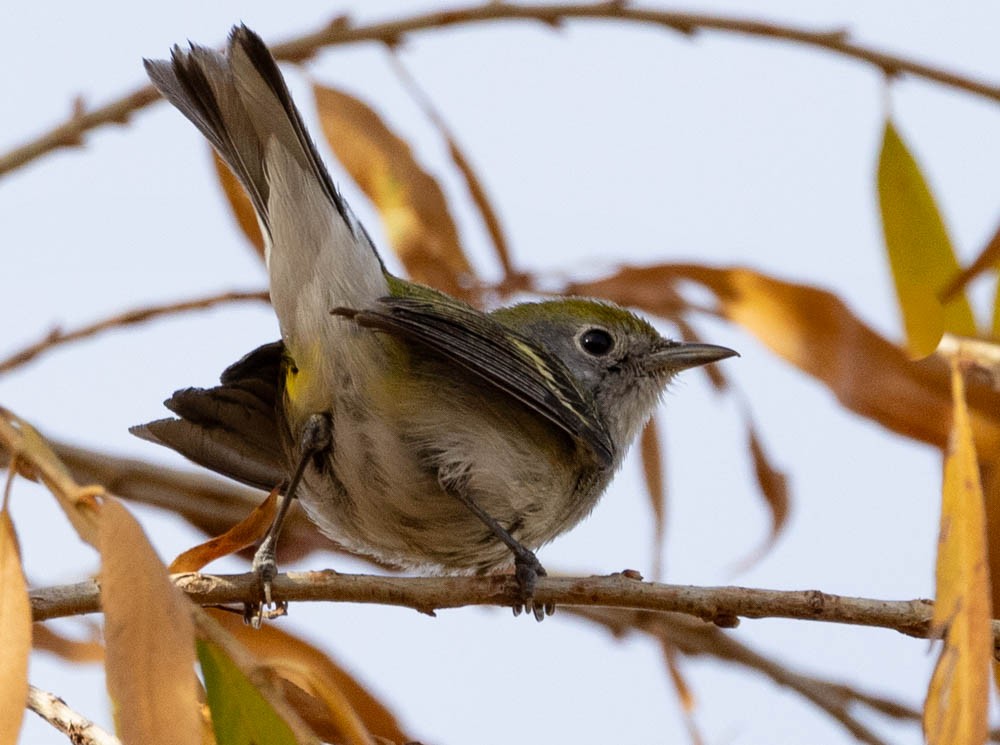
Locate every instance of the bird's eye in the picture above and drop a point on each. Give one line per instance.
(597, 342)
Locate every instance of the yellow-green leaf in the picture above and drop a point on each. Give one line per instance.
(956, 709)
(240, 714)
(920, 252)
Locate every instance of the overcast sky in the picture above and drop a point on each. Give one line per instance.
(600, 144)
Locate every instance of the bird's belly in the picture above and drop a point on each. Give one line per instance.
(393, 498)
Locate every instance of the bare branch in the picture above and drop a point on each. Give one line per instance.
(70, 133)
(57, 336)
(723, 606)
(78, 728)
(340, 31)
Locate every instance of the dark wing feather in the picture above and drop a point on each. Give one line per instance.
(497, 355)
(234, 428)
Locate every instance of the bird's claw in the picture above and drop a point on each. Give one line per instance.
(265, 566)
(527, 570)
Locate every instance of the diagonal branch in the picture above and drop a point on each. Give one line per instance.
(54, 710)
(57, 336)
(341, 31)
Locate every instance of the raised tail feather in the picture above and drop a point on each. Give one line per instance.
(235, 428)
(239, 101)
(318, 253)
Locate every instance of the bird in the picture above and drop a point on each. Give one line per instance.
(412, 427)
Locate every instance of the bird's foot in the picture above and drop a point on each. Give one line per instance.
(265, 566)
(527, 570)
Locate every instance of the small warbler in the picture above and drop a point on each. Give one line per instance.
(412, 427)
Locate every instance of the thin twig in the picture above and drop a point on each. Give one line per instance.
(720, 605)
(696, 638)
(77, 727)
(57, 336)
(70, 133)
(341, 31)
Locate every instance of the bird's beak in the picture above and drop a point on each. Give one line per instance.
(679, 355)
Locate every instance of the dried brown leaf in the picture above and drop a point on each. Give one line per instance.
(313, 711)
(30, 452)
(245, 533)
(15, 628)
(683, 690)
(773, 487)
(335, 711)
(149, 636)
(458, 157)
(209, 503)
(271, 645)
(957, 705)
(240, 205)
(651, 455)
(816, 332)
(246, 698)
(411, 203)
(71, 650)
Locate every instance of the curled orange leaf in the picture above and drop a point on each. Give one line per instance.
(245, 533)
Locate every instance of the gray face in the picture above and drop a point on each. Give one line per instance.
(610, 352)
(618, 360)
(613, 366)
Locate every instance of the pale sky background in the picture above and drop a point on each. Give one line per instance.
(600, 144)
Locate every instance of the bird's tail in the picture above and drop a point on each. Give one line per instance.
(235, 428)
(239, 101)
(318, 255)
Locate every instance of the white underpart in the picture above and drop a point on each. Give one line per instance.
(316, 263)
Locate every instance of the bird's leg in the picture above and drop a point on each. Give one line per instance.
(314, 444)
(527, 568)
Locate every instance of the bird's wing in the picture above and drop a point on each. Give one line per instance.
(498, 356)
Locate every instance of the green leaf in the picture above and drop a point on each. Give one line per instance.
(240, 714)
(920, 252)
